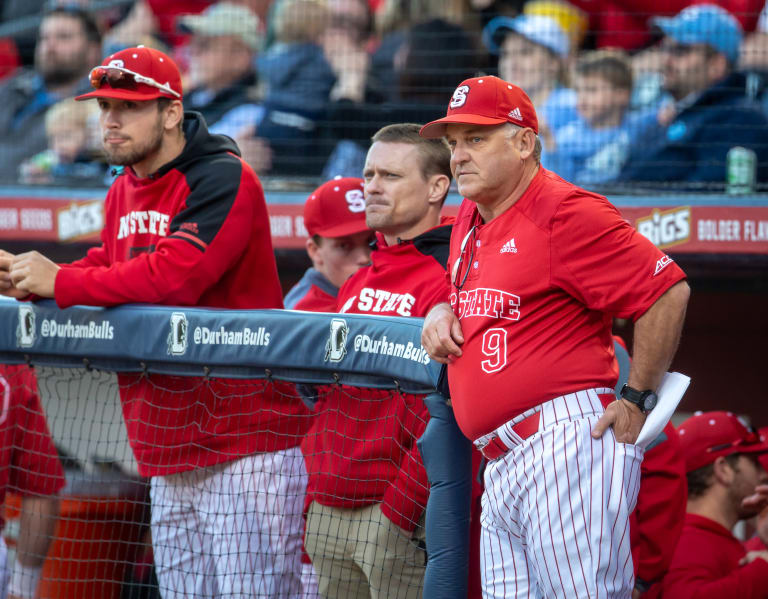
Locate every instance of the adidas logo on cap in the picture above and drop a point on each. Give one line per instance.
(515, 114)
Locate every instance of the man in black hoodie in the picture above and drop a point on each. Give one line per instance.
(711, 112)
(186, 225)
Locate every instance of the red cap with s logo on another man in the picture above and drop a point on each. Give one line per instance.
(336, 208)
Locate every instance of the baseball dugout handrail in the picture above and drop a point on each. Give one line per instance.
(302, 347)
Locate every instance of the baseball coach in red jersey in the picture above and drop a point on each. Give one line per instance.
(539, 267)
(186, 225)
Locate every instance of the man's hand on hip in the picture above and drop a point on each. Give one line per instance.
(625, 418)
(32, 272)
(441, 334)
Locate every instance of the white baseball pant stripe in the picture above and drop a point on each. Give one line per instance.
(231, 530)
(4, 569)
(555, 510)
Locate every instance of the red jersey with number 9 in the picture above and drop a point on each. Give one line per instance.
(535, 290)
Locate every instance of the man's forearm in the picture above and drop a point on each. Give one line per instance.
(37, 526)
(656, 337)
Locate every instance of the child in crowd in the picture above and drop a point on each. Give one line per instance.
(72, 157)
(533, 51)
(593, 148)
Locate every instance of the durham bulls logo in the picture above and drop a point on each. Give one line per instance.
(336, 347)
(25, 331)
(459, 97)
(177, 338)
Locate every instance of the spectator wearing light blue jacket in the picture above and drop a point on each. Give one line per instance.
(532, 51)
(594, 148)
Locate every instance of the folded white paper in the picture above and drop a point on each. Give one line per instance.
(670, 392)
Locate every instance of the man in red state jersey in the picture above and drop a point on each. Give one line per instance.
(29, 466)
(338, 243)
(726, 483)
(760, 540)
(367, 487)
(186, 225)
(539, 268)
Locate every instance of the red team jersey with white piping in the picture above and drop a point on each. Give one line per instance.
(555, 268)
(29, 462)
(384, 464)
(196, 233)
(400, 280)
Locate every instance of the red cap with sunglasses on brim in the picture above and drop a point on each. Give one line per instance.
(707, 436)
(485, 101)
(137, 74)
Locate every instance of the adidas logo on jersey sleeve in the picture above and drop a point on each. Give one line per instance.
(509, 247)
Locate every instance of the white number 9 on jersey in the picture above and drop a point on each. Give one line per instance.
(495, 347)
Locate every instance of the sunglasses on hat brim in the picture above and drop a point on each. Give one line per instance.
(752, 438)
(120, 78)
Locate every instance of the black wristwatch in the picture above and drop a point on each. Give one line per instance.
(645, 400)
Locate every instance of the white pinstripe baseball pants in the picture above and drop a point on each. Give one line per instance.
(555, 511)
(232, 530)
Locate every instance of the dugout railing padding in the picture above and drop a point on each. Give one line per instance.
(301, 347)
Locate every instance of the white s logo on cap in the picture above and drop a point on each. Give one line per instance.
(459, 96)
(119, 64)
(355, 200)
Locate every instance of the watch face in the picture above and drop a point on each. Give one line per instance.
(650, 402)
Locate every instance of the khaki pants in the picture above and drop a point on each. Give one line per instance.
(361, 554)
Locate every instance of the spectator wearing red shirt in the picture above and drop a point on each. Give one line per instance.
(625, 23)
(726, 484)
(338, 243)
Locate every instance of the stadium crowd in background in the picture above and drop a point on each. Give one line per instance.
(306, 82)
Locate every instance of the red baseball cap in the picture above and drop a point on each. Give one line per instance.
(707, 436)
(485, 101)
(763, 432)
(336, 208)
(136, 74)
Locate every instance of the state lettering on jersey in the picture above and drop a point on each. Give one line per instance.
(143, 222)
(381, 301)
(486, 302)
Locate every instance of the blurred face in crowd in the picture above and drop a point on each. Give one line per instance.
(338, 258)
(63, 53)
(599, 102)
(527, 65)
(347, 18)
(398, 195)
(691, 68)
(218, 61)
(486, 162)
(67, 139)
(133, 132)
